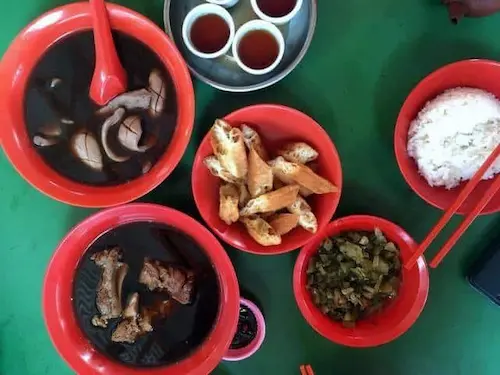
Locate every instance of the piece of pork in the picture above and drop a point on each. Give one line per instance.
(111, 121)
(177, 281)
(133, 325)
(158, 90)
(159, 310)
(109, 289)
(132, 100)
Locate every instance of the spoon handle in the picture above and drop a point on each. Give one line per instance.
(105, 51)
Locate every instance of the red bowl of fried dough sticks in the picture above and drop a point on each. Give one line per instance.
(266, 178)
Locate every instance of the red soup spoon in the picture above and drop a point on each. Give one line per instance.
(110, 79)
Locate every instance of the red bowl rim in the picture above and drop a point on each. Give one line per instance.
(278, 249)
(401, 152)
(46, 31)
(58, 311)
(387, 336)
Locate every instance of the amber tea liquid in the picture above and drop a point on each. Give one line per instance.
(276, 8)
(209, 33)
(258, 49)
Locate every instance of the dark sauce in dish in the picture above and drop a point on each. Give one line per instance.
(276, 8)
(247, 329)
(184, 329)
(70, 64)
(258, 49)
(209, 33)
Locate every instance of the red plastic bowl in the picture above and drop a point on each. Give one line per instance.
(276, 125)
(482, 74)
(21, 58)
(58, 311)
(396, 318)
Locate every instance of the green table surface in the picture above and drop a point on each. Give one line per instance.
(364, 59)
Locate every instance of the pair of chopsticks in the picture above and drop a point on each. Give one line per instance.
(469, 218)
(306, 370)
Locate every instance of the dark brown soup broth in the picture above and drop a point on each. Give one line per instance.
(258, 49)
(209, 33)
(174, 337)
(72, 61)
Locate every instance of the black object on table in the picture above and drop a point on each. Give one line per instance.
(484, 275)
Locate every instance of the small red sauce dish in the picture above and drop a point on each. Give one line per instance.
(277, 125)
(20, 60)
(59, 286)
(481, 74)
(396, 318)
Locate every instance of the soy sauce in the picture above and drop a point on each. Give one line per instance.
(258, 49)
(247, 329)
(70, 63)
(276, 8)
(186, 327)
(209, 33)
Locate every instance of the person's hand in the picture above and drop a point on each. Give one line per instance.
(458, 9)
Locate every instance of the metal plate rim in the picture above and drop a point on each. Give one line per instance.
(259, 86)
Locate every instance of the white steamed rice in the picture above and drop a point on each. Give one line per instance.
(454, 134)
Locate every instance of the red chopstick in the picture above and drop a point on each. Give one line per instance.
(462, 197)
(306, 370)
(490, 193)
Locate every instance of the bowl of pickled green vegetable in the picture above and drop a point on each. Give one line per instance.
(351, 286)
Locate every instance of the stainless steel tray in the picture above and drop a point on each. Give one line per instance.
(223, 73)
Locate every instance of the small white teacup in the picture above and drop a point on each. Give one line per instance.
(276, 20)
(252, 26)
(201, 11)
(224, 3)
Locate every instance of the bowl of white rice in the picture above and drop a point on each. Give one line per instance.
(447, 127)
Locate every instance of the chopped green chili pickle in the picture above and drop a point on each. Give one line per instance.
(353, 275)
